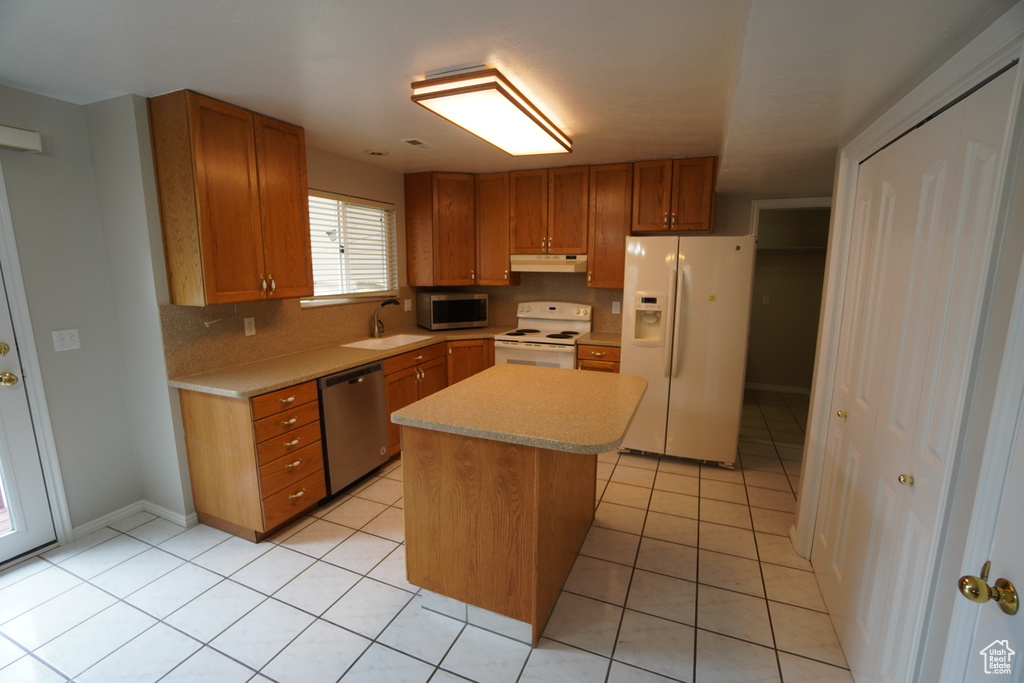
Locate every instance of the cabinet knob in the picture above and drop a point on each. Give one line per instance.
(289, 423)
(286, 401)
(590, 276)
(297, 495)
(263, 284)
(293, 464)
(273, 285)
(291, 444)
(664, 220)
(506, 273)
(598, 354)
(472, 275)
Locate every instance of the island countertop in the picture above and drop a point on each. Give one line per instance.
(564, 410)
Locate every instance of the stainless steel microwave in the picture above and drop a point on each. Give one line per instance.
(451, 311)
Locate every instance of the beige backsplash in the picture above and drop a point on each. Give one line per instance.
(284, 327)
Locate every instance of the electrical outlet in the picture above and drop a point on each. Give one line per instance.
(616, 307)
(250, 326)
(765, 299)
(66, 340)
(408, 304)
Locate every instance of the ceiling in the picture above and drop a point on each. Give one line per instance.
(772, 86)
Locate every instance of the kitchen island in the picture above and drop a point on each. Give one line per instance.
(499, 481)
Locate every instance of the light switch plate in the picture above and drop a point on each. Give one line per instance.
(408, 304)
(250, 326)
(616, 308)
(66, 340)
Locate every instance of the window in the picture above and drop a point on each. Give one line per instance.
(353, 244)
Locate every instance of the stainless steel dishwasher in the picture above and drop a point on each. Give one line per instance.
(353, 417)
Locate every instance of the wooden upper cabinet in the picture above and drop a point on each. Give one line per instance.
(693, 193)
(528, 211)
(673, 194)
(281, 161)
(568, 204)
(221, 224)
(440, 229)
(492, 231)
(611, 205)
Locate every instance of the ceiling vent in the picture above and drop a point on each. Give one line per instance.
(417, 143)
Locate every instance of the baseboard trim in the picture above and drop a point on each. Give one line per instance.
(184, 521)
(778, 388)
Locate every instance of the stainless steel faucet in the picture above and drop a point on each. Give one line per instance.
(378, 326)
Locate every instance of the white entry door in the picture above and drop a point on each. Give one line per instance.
(916, 285)
(26, 522)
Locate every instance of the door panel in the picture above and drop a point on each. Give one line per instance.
(30, 523)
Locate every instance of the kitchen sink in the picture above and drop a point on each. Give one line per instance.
(391, 342)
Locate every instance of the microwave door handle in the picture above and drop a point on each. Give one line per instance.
(669, 321)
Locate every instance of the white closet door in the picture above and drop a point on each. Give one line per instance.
(914, 297)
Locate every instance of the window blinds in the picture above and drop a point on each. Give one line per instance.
(353, 244)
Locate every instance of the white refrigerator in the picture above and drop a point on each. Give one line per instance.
(686, 311)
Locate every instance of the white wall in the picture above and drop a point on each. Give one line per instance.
(56, 216)
(123, 170)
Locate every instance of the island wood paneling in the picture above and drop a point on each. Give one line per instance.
(494, 524)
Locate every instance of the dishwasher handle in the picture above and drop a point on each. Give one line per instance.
(352, 377)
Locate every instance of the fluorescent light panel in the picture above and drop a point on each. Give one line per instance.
(488, 106)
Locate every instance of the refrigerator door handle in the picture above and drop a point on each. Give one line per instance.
(669, 322)
(679, 296)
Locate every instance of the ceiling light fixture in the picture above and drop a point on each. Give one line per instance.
(488, 106)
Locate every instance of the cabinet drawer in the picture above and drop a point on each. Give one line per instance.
(597, 365)
(591, 352)
(290, 442)
(283, 399)
(287, 421)
(292, 500)
(290, 468)
(411, 358)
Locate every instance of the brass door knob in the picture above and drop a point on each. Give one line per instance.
(7, 379)
(906, 479)
(841, 413)
(976, 589)
(4, 349)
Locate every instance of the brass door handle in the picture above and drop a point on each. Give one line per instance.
(906, 479)
(976, 589)
(8, 379)
(841, 413)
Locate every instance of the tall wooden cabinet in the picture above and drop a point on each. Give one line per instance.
(673, 194)
(611, 206)
(568, 206)
(492, 231)
(440, 229)
(233, 201)
(254, 463)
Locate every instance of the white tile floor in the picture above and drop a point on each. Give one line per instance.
(686, 575)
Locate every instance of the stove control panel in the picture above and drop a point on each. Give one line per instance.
(554, 310)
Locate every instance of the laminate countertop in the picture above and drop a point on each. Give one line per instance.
(557, 409)
(260, 377)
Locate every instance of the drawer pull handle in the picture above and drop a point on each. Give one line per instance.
(597, 353)
(418, 358)
(286, 401)
(294, 442)
(297, 495)
(293, 464)
(289, 423)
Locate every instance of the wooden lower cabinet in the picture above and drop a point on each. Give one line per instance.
(597, 358)
(256, 463)
(409, 377)
(468, 357)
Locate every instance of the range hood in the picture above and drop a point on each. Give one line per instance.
(549, 263)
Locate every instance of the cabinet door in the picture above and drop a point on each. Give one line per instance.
(528, 213)
(492, 230)
(403, 388)
(466, 358)
(693, 193)
(454, 229)
(568, 201)
(284, 208)
(227, 195)
(652, 195)
(433, 376)
(611, 204)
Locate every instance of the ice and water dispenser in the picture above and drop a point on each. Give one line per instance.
(650, 318)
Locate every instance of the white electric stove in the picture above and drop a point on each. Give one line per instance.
(546, 334)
